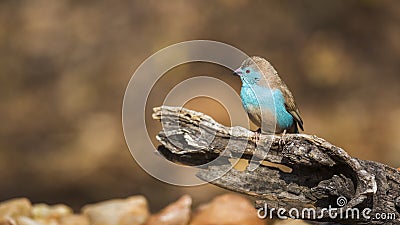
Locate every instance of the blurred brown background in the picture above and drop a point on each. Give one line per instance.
(64, 67)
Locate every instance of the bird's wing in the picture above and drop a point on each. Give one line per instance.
(290, 104)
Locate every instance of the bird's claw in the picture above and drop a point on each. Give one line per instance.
(257, 136)
(281, 141)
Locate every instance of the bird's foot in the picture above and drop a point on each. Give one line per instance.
(257, 134)
(282, 140)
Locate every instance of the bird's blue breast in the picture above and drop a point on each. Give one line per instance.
(259, 99)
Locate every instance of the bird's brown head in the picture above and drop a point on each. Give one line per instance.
(254, 69)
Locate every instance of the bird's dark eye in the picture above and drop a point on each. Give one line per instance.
(247, 71)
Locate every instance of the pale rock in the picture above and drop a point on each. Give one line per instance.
(7, 221)
(290, 222)
(130, 211)
(23, 220)
(44, 211)
(46, 221)
(14, 208)
(228, 209)
(177, 213)
(74, 220)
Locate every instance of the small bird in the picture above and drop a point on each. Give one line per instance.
(266, 98)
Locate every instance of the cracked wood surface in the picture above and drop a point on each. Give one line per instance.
(320, 172)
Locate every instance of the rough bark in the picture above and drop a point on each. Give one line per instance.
(320, 173)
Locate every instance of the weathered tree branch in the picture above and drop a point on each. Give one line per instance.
(320, 172)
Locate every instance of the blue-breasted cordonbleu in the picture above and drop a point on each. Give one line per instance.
(266, 98)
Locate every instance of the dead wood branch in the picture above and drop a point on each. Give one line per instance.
(320, 172)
